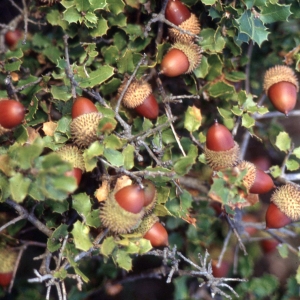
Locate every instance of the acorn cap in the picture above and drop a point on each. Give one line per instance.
(218, 160)
(72, 155)
(287, 199)
(8, 258)
(84, 129)
(279, 74)
(146, 224)
(249, 177)
(3, 130)
(117, 219)
(191, 24)
(192, 52)
(136, 93)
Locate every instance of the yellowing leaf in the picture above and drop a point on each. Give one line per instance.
(49, 128)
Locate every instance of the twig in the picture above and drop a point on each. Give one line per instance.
(13, 221)
(225, 244)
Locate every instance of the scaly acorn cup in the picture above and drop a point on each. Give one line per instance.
(73, 155)
(281, 86)
(8, 258)
(287, 199)
(182, 58)
(122, 211)
(256, 181)
(12, 114)
(85, 122)
(139, 97)
(221, 151)
(275, 218)
(150, 194)
(152, 230)
(179, 14)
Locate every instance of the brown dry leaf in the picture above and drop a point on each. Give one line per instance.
(32, 135)
(122, 182)
(49, 128)
(189, 220)
(102, 192)
(14, 76)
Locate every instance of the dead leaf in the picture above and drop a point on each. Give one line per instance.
(102, 192)
(49, 128)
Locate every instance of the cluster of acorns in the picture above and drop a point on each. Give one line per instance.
(222, 152)
(184, 55)
(130, 210)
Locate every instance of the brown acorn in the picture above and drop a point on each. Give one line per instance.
(182, 58)
(275, 218)
(152, 230)
(221, 151)
(150, 195)
(281, 86)
(74, 156)
(139, 97)
(256, 181)
(287, 199)
(123, 210)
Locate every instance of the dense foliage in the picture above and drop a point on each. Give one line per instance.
(96, 49)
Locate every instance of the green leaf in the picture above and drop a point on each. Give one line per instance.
(54, 242)
(125, 63)
(57, 206)
(52, 53)
(108, 246)
(13, 66)
(115, 6)
(252, 26)
(98, 4)
(283, 250)
(128, 154)
(283, 141)
(220, 89)
(192, 118)
(275, 171)
(248, 121)
(212, 40)
(97, 77)
(202, 70)
(91, 154)
(144, 246)
(184, 164)
(100, 29)
(82, 204)
(71, 15)
(275, 13)
(296, 152)
(123, 260)
(19, 185)
(80, 233)
(114, 157)
(82, 5)
(292, 165)
(61, 92)
(209, 2)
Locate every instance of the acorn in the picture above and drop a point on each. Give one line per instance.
(12, 114)
(221, 151)
(281, 86)
(8, 258)
(85, 122)
(152, 230)
(139, 97)
(150, 194)
(256, 181)
(123, 210)
(179, 14)
(182, 58)
(275, 218)
(287, 199)
(74, 156)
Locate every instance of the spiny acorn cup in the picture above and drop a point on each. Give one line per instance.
(85, 122)
(287, 199)
(281, 86)
(152, 230)
(122, 211)
(150, 194)
(182, 58)
(179, 14)
(221, 151)
(256, 181)
(8, 259)
(12, 114)
(73, 155)
(139, 97)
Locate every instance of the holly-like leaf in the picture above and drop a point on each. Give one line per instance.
(123, 259)
(192, 118)
(283, 141)
(114, 157)
(97, 77)
(212, 40)
(108, 246)
(252, 26)
(80, 233)
(54, 242)
(19, 186)
(275, 13)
